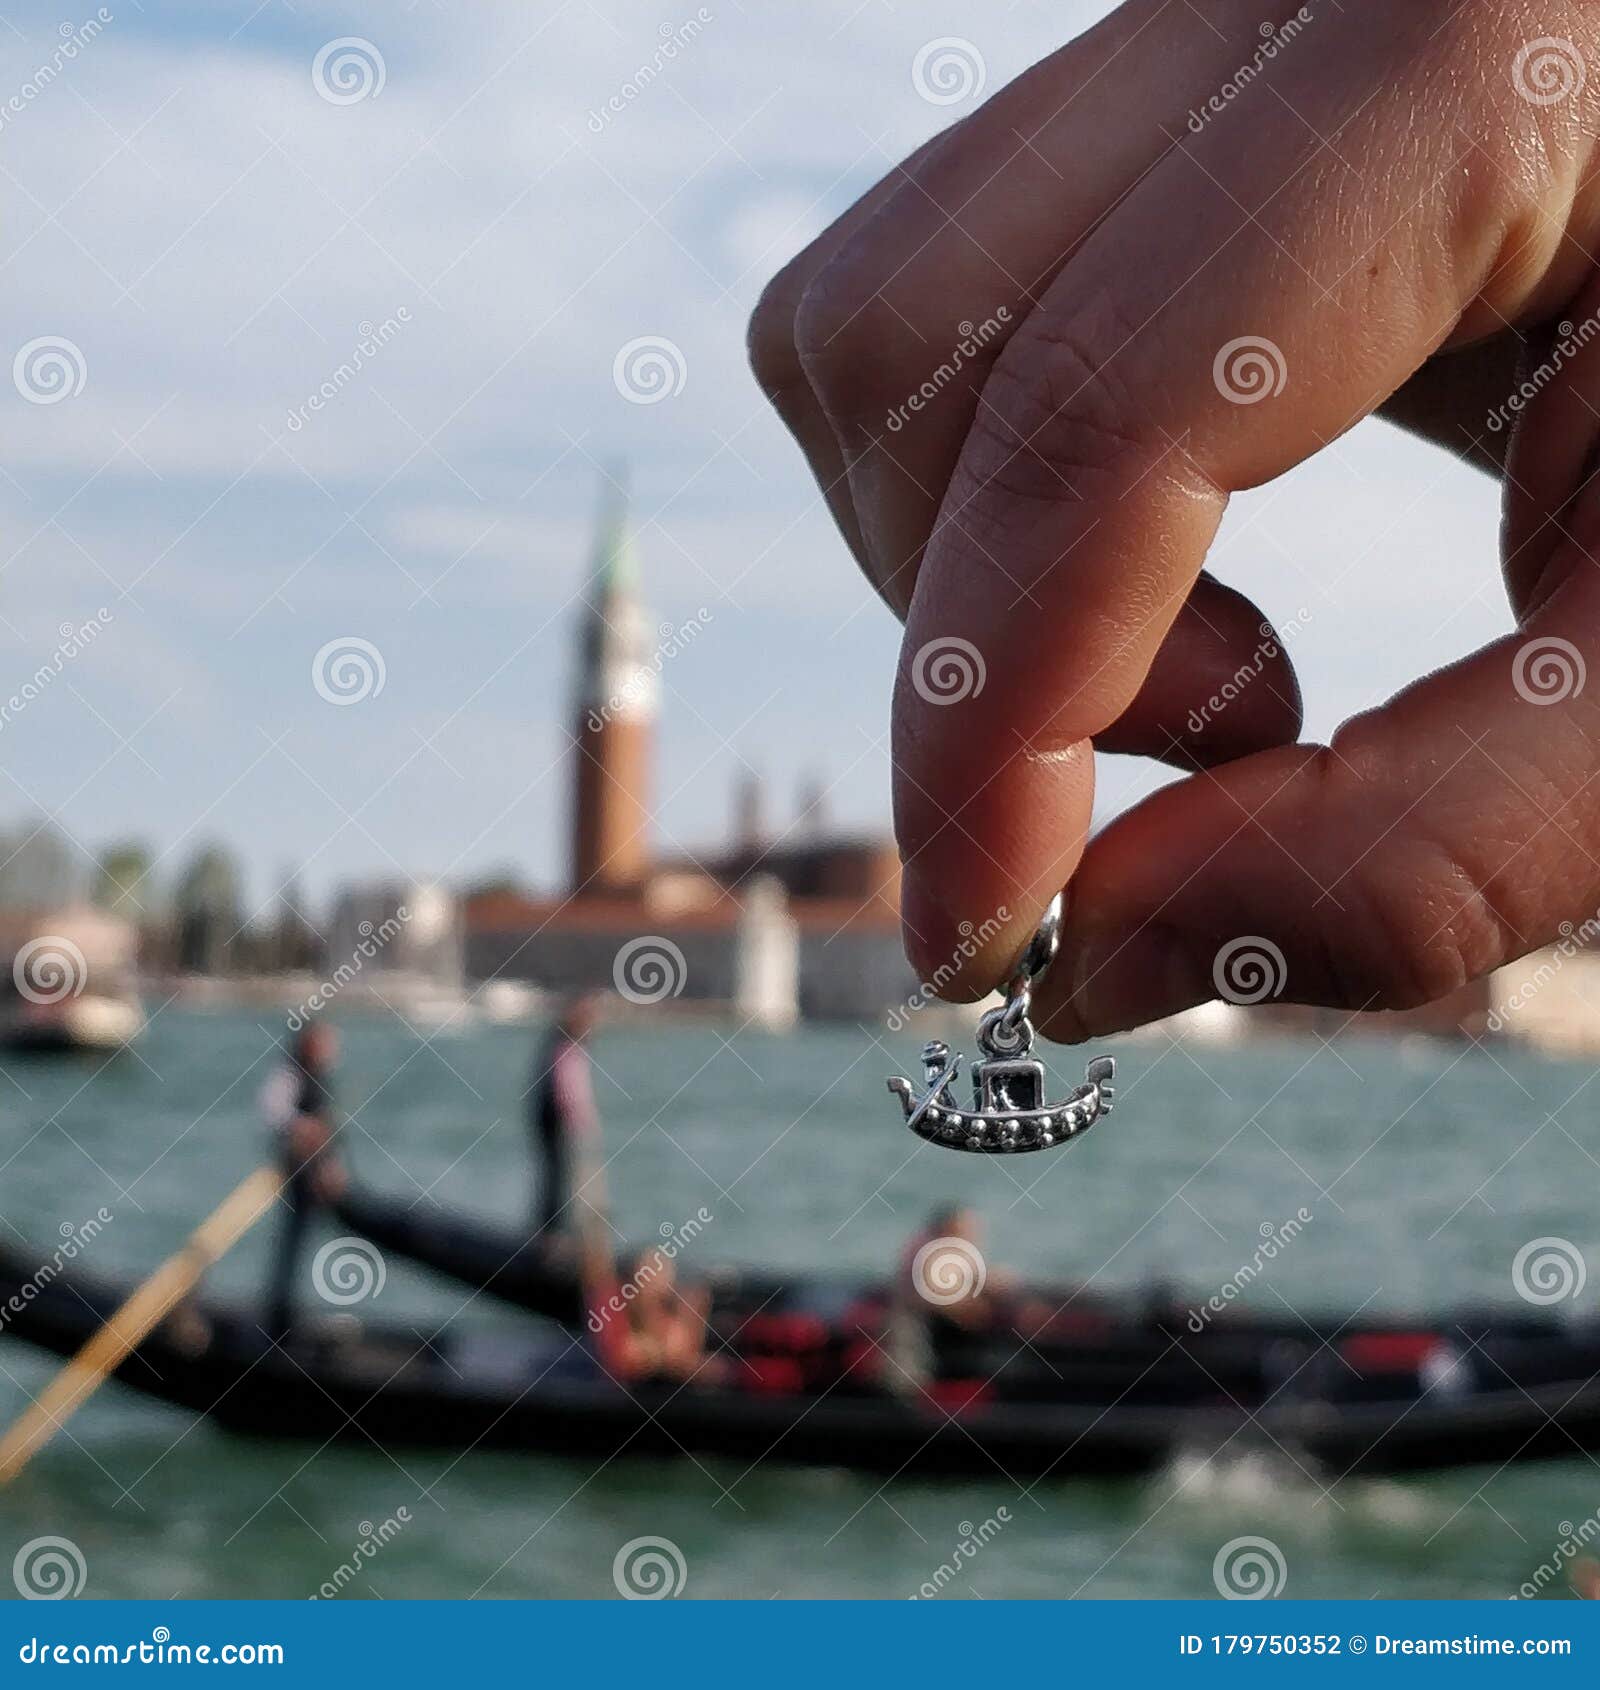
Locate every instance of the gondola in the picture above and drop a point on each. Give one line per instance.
(822, 1319)
(367, 1384)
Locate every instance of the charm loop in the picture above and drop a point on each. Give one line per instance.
(1009, 1111)
(1042, 949)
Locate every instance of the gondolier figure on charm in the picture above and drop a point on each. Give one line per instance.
(1009, 1110)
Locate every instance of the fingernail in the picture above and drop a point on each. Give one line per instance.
(1122, 980)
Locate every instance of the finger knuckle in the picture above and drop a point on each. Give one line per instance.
(770, 340)
(1415, 919)
(1055, 421)
(847, 337)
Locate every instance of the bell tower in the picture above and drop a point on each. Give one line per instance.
(615, 712)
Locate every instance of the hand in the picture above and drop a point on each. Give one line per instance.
(332, 1179)
(307, 1137)
(1397, 208)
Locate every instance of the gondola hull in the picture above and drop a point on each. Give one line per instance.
(510, 1392)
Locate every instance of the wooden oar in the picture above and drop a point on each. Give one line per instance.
(145, 1309)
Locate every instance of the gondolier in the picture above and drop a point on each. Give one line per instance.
(561, 1109)
(297, 1106)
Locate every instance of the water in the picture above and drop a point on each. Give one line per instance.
(1424, 1166)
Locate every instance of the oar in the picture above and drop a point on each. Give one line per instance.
(145, 1309)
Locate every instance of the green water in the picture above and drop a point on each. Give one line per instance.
(1425, 1167)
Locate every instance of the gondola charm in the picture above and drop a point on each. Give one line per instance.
(1009, 1111)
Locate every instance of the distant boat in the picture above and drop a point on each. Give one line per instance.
(69, 983)
(96, 1020)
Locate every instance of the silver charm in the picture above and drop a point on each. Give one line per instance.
(1009, 1112)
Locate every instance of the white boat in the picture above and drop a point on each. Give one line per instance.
(70, 981)
(94, 1020)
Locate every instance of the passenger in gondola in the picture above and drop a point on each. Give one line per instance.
(944, 1296)
(648, 1328)
(561, 1113)
(667, 1322)
(297, 1105)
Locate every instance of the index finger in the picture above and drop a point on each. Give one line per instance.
(1269, 284)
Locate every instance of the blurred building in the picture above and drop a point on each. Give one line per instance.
(207, 912)
(1550, 1000)
(1463, 1014)
(397, 928)
(769, 927)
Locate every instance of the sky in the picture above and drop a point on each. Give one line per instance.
(209, 208)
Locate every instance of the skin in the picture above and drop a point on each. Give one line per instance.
(318, 1050)
(1387, 207)
(666, 1325)
(579, 1018)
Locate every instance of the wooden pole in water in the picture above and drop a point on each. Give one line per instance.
(144, 1310)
